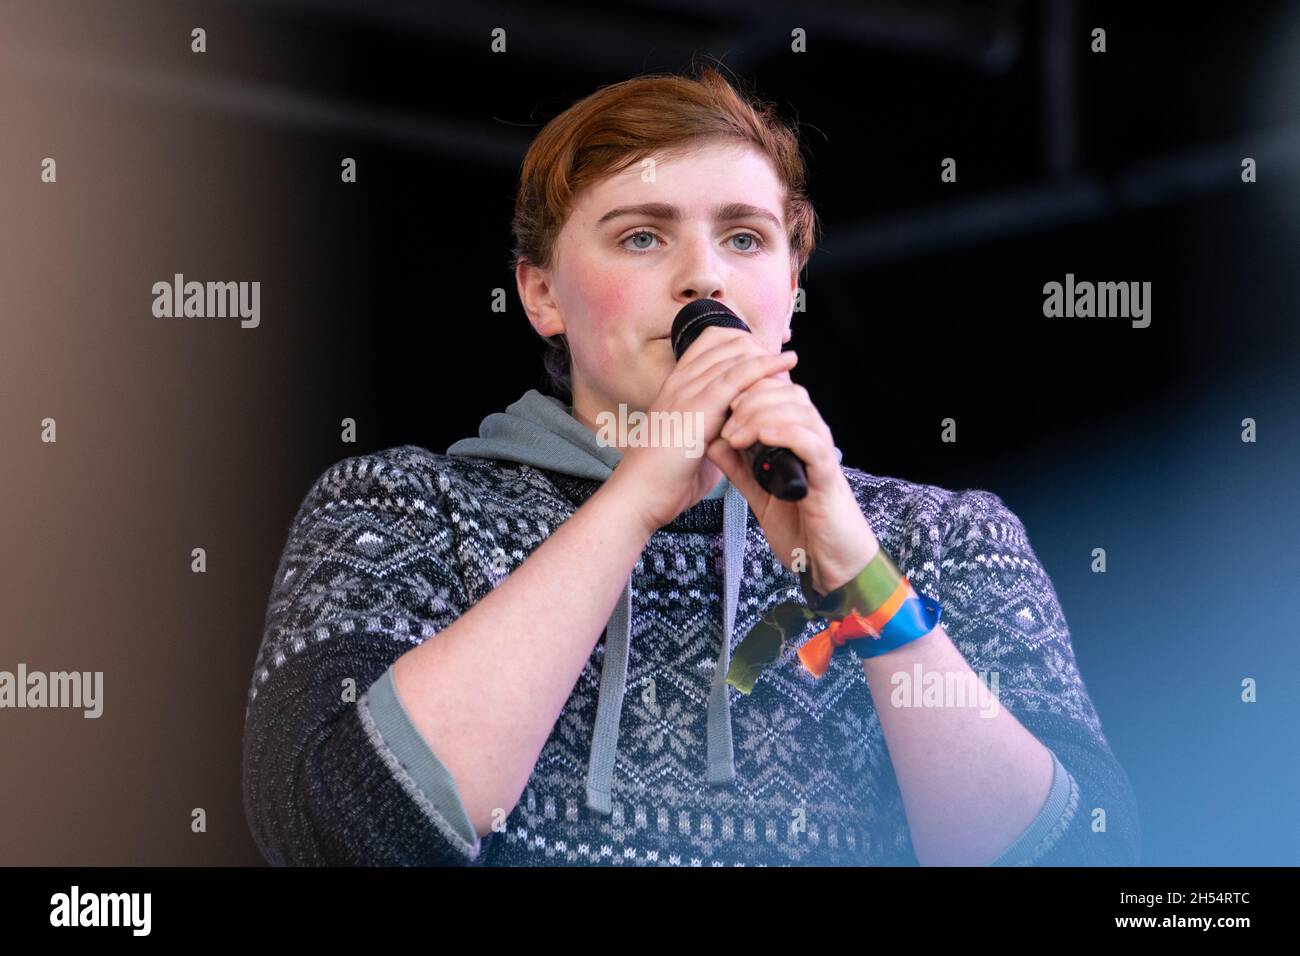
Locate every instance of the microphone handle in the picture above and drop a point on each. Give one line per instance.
(778, 471)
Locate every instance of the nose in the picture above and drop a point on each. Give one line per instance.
(699, 277)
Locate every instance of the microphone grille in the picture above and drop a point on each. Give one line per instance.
(698, 315)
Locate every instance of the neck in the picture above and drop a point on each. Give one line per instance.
(588, 405)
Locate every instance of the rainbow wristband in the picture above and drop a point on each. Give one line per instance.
(875, 613)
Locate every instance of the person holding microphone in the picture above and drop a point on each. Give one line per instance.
(578, 653)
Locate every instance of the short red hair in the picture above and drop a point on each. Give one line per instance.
(620, 125)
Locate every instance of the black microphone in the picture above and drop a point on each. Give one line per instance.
(778, 470)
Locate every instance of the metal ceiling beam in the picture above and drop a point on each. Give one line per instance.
(1045, 206)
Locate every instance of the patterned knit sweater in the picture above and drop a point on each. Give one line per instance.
(387, 549)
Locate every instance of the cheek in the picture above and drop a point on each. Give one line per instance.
(608, 302)
(610, 299)
(773, 304)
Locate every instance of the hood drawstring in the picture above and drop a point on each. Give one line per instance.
(613, 673)
(541, 431)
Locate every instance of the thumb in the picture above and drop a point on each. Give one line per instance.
(732, 464)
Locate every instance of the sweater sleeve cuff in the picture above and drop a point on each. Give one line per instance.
(1047, 828)
(416, 765)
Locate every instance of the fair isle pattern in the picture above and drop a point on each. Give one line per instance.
(390, 548)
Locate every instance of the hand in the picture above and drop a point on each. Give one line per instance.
(719, 365)
(827, 523)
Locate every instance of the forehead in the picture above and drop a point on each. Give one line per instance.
(696, 179)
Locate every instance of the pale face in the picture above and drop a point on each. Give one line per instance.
(617, 283)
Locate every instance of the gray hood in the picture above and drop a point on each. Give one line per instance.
(541, 431)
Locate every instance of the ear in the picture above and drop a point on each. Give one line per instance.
(539, 305)
(794, 290)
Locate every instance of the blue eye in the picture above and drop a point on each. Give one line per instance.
(641, 233)
(756, 242)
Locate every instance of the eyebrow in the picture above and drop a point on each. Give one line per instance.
(727, 212)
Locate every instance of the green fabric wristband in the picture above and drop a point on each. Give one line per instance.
(765, 643)
(865, 592)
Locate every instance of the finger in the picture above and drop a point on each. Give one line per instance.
(771, 407)
(732, 464)
(781, 380)
(709, 364)
(712, 340)
(774, 407)
(769, 391)
(817, 444)
(735, 375)
(815, 451)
